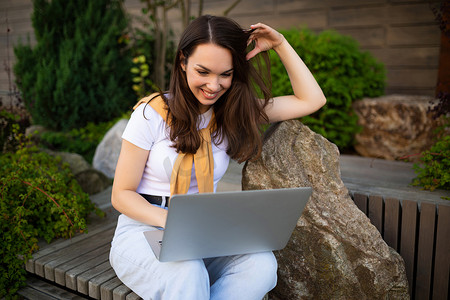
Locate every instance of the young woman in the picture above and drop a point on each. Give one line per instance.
(181, 142)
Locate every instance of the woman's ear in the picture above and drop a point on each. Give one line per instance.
(182, 61)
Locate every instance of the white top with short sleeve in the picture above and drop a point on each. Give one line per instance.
(151, 133)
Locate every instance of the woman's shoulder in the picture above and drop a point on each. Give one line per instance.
(146, 112)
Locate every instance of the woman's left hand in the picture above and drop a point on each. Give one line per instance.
(265, 38)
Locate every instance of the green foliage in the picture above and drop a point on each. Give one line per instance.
(40, 198)
(78, 72)
(344, 73)
(433, 172)
(8, 130)
(83, 141)
(144, 60)
(142, 83)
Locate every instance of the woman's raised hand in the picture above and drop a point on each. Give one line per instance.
(265, 38)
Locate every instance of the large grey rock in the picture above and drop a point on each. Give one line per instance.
(334, 252)
(91, 181)
(107, 152)
(394, 126)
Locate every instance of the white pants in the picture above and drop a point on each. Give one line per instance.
(248, 276)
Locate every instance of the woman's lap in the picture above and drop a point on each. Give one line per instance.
(137, 267)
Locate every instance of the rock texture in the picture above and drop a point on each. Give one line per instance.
(91, 181)
(334, 252)
(394, 126)
(107, 152)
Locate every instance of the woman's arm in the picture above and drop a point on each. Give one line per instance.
(308, 96)
(124, 198)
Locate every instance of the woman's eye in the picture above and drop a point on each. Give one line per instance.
(202, 72)
(227, 74)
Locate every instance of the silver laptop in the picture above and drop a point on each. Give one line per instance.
(228, 223)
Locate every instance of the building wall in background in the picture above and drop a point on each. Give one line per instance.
(400, 33)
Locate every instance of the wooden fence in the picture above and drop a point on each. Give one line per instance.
(420, 232)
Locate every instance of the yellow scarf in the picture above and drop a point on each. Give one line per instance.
(182, 169)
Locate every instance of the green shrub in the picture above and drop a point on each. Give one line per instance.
(83, 141)
(78, 72)
(40, 198)
(433, 170)
(344, 73)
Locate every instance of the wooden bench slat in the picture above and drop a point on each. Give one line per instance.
(60, 271)
(83, 278)
(391, 222)
(442, 256)
(425, 250)
(96, 282)
(133, 296)
(77, 250)
(59, 245)
(42, 290)
(361, 202)
(408, 239)
(376, 212)
(107, 288)
(71, 275)
(121, 292)
(39, 263)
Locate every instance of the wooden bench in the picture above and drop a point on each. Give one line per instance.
(81, 264)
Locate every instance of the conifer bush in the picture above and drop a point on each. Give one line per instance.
(344, 73)
(78, 71)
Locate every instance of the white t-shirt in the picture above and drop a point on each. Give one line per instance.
(151, 133)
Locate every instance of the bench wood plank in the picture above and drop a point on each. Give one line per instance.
(121, 292)
(376, 212)
(75, 251)
(59, 245)
(96, 282)
(72, 274)
(361, 202)
(60, 271)
(133, 296)
(442, 256)
(107, 288)
(391, 222)
(83, 278)
(408, 240)
(39, 263)
(425, 250)
(42, 290)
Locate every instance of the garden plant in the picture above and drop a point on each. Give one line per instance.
(345, 74)
(77, 72)
(39, 199)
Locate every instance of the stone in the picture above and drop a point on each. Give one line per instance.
(35, 130)
(334, 251)
(91, 181)
(107, 152)
(394, 126)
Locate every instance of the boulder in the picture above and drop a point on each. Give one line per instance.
(35, 130)
(107, 152)
(334, 251)
(394, 126)
(91, 181)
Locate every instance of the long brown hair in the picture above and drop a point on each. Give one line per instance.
(239, 112)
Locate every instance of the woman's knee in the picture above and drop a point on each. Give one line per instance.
(262, 267)
(268, 267)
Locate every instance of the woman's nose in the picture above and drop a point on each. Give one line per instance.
(213, 84)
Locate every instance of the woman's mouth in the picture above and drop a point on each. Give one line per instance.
(209, 96)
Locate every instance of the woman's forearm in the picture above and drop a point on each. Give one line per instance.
(303, 83)
(136, 207)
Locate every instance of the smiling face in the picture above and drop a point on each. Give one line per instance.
(209, 73)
